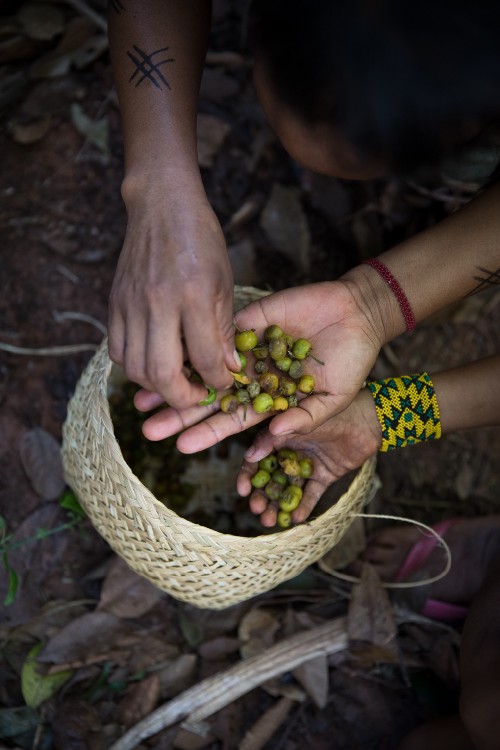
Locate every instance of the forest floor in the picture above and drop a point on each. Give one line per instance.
(127, 646)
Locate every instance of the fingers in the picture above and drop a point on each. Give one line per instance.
(200, 426)
(208, 333)
(313, 490)
(169, 421)
(310, 414)
(145, 400)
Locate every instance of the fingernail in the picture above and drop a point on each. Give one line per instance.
(237, 359)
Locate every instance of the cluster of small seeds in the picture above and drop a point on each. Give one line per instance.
(280, 477)
(279, 372)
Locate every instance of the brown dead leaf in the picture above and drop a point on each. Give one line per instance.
(151, 652)
(26, 133)
(178, 675)
(141, 699)
(126, 594)
(284, 221)
(370, 616)
(40, 455)
(313, 676)
(218, 648)
(87, 637)
(256, 631)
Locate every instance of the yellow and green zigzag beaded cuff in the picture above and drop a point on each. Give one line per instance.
(407, 410)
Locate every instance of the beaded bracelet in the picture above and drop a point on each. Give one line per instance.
(398, 292)
(407, 410)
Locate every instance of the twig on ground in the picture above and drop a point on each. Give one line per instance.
(49, 351)
(83, 317)
(210, 695)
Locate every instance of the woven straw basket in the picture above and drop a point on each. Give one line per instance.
(192, 563)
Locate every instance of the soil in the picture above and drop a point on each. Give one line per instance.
(62, 223)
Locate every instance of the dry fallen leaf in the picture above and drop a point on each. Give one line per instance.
(40, 455)
(141, 699)
(256, 631)
(26, 133)
(88, 636)
(126, 594)
(370, 616)
(284, 221)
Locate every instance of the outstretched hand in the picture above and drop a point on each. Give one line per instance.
(172, 299)
(342, 335)
(340, 445)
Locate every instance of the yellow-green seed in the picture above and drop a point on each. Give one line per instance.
(269, 463)
(280, 477)
(261, 366)
(286, 386)
(273, 491)
(292, 495)
(261, 351)
(284, 519)
(245, 340)
(243, 360)
(283, 364)
(273, 332)
(296, 370)
(278, 348)
(268, 382)
(242, 396)
(301, 348)
(280, 403)
(229, 403)
(260, 479)
(306, 468)
(286, 453)
(306, 384)
(289, 503)
(253, 389)
(263, 403)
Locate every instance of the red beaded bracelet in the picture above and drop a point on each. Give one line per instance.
(398, 292)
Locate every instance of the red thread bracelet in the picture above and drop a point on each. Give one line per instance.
(398, 292)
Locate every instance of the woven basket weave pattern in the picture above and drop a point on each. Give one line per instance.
(193, 563)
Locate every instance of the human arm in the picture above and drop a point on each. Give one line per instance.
(172, 292)
(467, 397)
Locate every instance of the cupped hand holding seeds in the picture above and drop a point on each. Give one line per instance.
(338, 446)
(337, 329)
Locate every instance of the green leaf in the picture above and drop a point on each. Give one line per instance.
(13, 581)
(70, 502)
(36, 687)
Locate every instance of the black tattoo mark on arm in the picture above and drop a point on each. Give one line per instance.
(117, 5)
(485, 279)
(147, 69)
